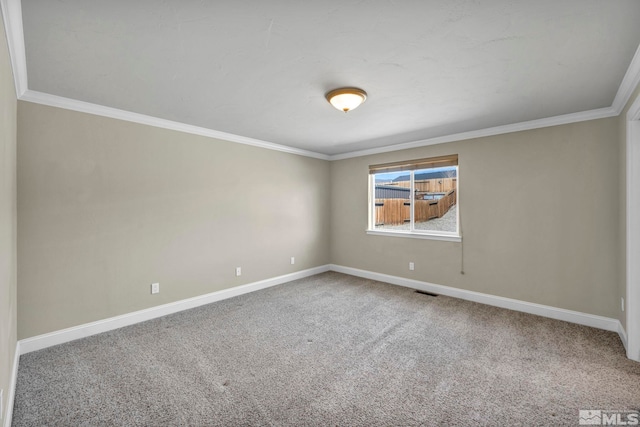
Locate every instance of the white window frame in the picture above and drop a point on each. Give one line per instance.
(412, 232)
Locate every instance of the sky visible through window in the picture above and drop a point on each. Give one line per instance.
(390, 176)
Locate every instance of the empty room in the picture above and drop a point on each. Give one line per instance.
(386, 213)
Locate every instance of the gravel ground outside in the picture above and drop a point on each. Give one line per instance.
(445, 223)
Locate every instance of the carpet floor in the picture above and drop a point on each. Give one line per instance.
(330, 349)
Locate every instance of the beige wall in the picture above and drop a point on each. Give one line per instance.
(622, 178)
(8, 306)
(547, 234)
(107, 207)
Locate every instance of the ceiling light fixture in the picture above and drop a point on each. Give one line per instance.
(346, 98)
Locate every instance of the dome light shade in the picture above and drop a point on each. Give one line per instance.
(346, 98)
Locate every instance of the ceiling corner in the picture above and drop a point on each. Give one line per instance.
(12, 15)
(629, 83)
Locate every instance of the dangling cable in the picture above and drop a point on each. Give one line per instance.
(461, 239)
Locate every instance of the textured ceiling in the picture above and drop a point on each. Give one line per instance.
(260, 69)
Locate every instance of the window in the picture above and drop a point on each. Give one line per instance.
(415, 198)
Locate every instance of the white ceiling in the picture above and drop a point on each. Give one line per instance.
(260, 69)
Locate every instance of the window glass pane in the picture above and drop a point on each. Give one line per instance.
(436, 195)
(392, 201)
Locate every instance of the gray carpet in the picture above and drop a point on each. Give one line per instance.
(335, 350)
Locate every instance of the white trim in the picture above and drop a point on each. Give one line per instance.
(623, 335)
(586, 319)
(70, 334)
(47, 340)
(371, 210)
(12, 387)
(446, 236)
(114, 113)
(12, 14)
(86, 107)
(629, 83)
(416, 235)
(633, 231)
(600, 113)
(412, 200)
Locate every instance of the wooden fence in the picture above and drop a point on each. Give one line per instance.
(436, 185)
(397, 211)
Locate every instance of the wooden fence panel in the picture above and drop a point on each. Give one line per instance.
(437, 185)
(425, 210)
(392, 211)
(397, 211)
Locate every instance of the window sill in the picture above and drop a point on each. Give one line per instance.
(428, 236)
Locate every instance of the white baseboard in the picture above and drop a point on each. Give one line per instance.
(592, 320)
(623, 335)
(59, 337)
(70, 334)
(8, 416)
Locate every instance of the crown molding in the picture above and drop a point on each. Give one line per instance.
(629, 83)
(114, 113)
(12, 15)
(497, 130)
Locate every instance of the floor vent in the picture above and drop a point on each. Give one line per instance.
(426, 293)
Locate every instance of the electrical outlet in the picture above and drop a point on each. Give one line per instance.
(622, 303)
(293, 260)
(412, 266)
(238, 271)
(155, 288)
